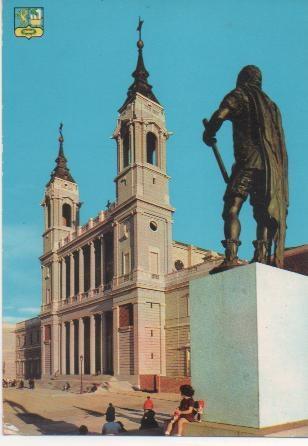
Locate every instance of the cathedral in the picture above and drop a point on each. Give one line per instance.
(115, 290)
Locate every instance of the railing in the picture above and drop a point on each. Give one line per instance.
(86, 295)
(46, 307)
(84, 228)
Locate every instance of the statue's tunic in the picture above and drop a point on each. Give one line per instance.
(246, 137)
(259, 146)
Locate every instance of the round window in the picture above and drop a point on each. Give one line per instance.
(153, 225)
(178, 265)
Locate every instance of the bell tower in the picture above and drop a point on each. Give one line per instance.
(61, 202)
(144, 214)
(141, 136)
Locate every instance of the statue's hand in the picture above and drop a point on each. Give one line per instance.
(208, 140)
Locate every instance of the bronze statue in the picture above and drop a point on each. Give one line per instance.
(260, 169)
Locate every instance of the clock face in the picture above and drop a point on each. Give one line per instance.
(178, 265)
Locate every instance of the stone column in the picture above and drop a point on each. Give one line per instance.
(55, 345)
(63, 266)
(72, 275)
(102, 260)
(136, 340)
(92, 266)
(63, 348)
(119, 144)
(43, 285)
(131, 144)
(81, 343)
(42, 350)
(162, 308)
(102, 321)
(72, 344)
(159, 151)
(92, 344)
(55, 281)
(115, 252)
(81, 271)
(116, 352)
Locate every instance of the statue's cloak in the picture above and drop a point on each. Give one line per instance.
(273, 150)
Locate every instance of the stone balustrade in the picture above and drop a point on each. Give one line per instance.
(89, 225)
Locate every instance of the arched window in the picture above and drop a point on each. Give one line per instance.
(151, 149)
(126, 147)
(48, 213)
(66, 215)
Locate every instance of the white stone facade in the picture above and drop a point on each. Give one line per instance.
(109, 287)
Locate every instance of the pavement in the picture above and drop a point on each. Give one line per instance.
(45, 411)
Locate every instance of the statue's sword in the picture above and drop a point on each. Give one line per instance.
(218, 157)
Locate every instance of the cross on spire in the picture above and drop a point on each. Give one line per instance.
(61, 170)
(140, 75)
(139, 27)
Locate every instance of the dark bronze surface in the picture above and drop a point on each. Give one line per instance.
(140, 75)
(61, 170)
(260, 169)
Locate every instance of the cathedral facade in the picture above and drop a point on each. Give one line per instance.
(115, 291)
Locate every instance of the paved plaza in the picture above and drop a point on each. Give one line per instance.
(45, 411)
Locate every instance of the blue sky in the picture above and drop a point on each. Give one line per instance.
(79, 72)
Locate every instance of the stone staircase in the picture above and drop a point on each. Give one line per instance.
(104, 383)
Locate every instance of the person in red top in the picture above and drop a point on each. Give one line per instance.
(148, 404)
(185, 412)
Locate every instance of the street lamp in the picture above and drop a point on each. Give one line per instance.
(81, 359)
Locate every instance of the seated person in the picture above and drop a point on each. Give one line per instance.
(184, 413)
(83, 430)
(20, 384)
(148, 420)
(111, 427)
(91, 388)
(66, 386)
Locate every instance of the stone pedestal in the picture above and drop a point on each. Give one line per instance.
(249, 348)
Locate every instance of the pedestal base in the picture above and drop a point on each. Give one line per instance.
(249, 351)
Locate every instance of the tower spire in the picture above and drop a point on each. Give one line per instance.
(140, 75)
(61, 170)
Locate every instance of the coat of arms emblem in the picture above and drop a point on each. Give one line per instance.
(29, 22)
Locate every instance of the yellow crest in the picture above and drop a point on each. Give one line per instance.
(29, 22)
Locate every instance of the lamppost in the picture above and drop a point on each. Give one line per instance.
(81, 359)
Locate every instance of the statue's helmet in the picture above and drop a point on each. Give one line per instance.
(249, 75)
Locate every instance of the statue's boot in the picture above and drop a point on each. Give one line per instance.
(231, 259)
(261, 253)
